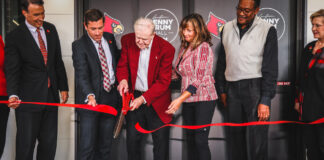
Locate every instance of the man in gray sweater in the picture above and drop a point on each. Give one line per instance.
(246, 76)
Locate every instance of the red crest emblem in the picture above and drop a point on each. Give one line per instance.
(113, 25)
(215, 24)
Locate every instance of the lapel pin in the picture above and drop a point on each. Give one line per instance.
(110, 42)
(48, 31)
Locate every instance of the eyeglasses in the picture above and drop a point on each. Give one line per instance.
(244, 10)
(317, 25)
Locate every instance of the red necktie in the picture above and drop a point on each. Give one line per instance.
(43, 50)
(104, 67)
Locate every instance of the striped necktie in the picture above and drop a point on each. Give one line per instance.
(104, 67)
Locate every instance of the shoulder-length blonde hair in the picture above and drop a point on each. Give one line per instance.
(200, 28)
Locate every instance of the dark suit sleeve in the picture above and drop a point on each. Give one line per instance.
(269, 68)
(163, 80)
(12, 66)
(59, 66)
(220, 70)
(82, 72)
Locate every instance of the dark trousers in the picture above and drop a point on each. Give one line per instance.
(4, 113)
(251, 143)
(314, 141)
(39, 125)
(198, 113)
(96, 130)
(148, 119)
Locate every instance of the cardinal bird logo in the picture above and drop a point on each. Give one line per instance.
(113, 25)
(215, 24)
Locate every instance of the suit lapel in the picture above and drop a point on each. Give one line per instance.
(179, 56)
(112, 51)
(91, 47)
(154, 57)
(134, 56)
(33, 43)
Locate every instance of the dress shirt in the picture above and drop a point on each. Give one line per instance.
(105, 47)
(142, 71)
(33, 31)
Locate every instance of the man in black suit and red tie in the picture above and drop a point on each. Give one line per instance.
(35, 72)
(95, 57)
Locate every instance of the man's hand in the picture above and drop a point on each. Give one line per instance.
(122, 87)
(64, 96)
(14, 102)
(92, 101)
(223, 99)
(297, 107)
(174, 106)
(137, 103)
(263, 112)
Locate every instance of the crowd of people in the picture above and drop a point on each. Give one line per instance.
(32, 70)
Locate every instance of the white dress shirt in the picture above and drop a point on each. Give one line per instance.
(142, 71)
(105, 47)
(34, 33)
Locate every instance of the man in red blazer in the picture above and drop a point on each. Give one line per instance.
(144, 69)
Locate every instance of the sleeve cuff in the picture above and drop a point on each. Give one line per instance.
(14, 96)
(90, 94)
(220, 90)
(143, 99)
(265, 100)
(192, 89)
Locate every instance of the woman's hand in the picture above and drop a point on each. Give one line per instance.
(174, 106)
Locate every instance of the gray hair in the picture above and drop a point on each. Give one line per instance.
(144, 24)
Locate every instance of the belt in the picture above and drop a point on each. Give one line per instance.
(140, 92)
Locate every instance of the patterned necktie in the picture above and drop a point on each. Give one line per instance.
(44, 51)
(104, 67)
(42, 45)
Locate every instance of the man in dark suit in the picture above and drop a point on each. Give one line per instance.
(95, 57)
(35, 72)
(145, 69)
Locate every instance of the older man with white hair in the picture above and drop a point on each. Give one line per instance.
(144, 69)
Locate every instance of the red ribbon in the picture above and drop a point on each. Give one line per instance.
(98, 108)
(140, 129)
